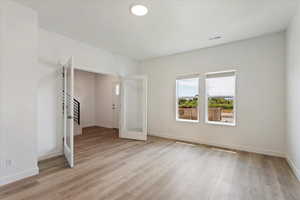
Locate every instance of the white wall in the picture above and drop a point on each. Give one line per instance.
(293, 94)
(104, 100)
(260, 63)
(52, 48)
(18, 89)
(84, 92)
(31, 87)
(95, 93)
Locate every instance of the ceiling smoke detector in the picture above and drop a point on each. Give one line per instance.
(216, 37)
(139, 10)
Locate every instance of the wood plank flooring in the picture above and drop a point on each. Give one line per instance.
(111, 168)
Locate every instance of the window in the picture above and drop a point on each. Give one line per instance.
(117, 89)
(221, 98)
(187, 99)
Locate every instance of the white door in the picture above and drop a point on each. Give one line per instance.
(69, 112)
(134, 108)
(116, 94)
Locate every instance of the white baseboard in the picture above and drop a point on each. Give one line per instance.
(228, 146)
(100, 126)
(89, 126)
(16, 177)
(294, 168)
(50, 155)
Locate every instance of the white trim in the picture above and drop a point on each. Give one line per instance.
(187, 76)
(234, 100)
(69, 106)
(221, 72)
(18, 176)
(188, 121)
(228, 146)
(220, 123)
(293, 167)
(50, 155)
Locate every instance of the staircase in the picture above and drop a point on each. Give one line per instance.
(76, 111)
(77, 127)
(76, 114)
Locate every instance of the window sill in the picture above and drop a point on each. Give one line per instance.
(187, 121)
(221, 123)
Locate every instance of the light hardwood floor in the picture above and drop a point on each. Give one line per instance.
(159, 169)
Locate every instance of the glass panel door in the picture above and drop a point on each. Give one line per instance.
(134, 108)
(69, 112)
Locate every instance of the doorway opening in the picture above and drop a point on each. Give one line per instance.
(98, 99)
(96, 103)
(96, 109)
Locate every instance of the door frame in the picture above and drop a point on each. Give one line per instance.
(116, 125)
(119, 77)
(124, 133)
(67, 117)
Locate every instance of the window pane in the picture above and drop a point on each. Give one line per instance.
(187, 98)
(117, 89)
(220, 93)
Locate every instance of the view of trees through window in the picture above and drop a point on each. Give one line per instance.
(220, 98)
(220, 109)
(188, 108)
(220, 94)
(187, 98)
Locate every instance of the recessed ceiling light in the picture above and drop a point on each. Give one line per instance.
(139, 10)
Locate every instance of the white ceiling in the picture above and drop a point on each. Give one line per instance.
(171, 26)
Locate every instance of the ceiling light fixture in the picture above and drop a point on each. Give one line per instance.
(139, 10)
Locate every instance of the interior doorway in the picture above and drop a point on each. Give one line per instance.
(96, 111)
(96, 103)
(98, 96)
